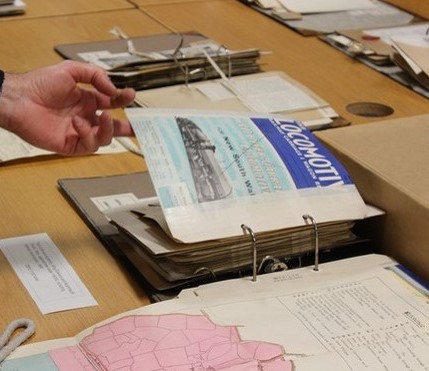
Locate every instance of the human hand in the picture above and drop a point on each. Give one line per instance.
(51, 109)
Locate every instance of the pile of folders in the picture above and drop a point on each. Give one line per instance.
(163, 59)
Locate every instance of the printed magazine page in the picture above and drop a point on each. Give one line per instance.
(215, 171)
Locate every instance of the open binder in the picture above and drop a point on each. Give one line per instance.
(160, 60)
(86, 194)
(225, 234)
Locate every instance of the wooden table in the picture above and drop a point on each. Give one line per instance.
(418, 7)
(47, 8)
(30, 201)
(331, 74)
(29, 43)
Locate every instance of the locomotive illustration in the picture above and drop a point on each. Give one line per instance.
(210, 180)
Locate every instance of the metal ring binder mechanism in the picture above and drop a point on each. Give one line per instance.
(245, 229)
(228, 56)
(273, 264)
(208, 270)
(307, 217)
(184, 67)
(178, 51)
(270, 264)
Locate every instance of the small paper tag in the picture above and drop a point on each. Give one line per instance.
(46, 274)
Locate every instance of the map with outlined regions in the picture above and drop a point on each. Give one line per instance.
(169, 342)
(357, 314)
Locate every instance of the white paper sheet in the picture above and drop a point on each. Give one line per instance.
(266, 95)
(49, 278)
(13, 148)
(320, 6)
(388, 34)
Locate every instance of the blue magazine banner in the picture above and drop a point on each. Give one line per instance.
(309, 162)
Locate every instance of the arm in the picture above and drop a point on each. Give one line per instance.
(51, 109)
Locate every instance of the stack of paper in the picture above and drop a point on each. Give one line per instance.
(160, 60)
(263, 92)
(312, 17)
(221, 177)
(178, 262)
(411, 53)
(400, 52)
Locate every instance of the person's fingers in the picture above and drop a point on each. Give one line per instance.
(104, 129)
(123, 98)
(86, 142)
(90, 74)
(122, 128)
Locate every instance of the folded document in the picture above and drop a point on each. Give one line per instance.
(355, 314)
(262, 92)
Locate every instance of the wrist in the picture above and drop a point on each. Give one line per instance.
(1, 80)
(8, 99)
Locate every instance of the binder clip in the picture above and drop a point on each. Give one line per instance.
(307, 217)
(245, 229)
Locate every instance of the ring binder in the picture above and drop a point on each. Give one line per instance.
(245, 229)
(307, 217)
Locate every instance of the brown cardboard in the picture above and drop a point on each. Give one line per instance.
(389, 163)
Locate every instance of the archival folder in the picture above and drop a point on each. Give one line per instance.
(171, 251)
(161, 60)
(84, 193)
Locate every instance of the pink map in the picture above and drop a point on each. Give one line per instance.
(173, 342)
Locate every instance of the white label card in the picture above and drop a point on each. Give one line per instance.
(48, 277)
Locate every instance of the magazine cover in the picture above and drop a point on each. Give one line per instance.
(214, 172)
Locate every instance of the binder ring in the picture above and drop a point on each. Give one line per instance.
(228, 56)
(205, 269)
(178, 53)
(307, 217)
(245, 229)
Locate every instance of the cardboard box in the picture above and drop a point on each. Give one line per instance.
(389, 163)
